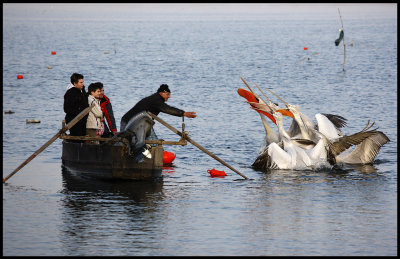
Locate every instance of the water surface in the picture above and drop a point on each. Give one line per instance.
(347, 211)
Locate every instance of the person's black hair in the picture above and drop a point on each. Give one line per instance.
(75, 77)
(94, 86)
(163, 88)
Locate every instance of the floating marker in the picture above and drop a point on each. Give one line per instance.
(20, 77)
(305, 48)
(168, 157)
(216, 173)
(32, 121)
(53, 53)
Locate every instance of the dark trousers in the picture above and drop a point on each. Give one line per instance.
(79, 129)
(141, 124)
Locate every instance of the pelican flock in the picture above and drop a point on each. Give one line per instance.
(309, 145)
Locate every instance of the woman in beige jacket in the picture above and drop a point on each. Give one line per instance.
(95, 118)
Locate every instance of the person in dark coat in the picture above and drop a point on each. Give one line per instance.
(75, 101)
(155, 104)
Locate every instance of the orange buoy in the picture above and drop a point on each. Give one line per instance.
(20, 77)
(216, 173)
(53, 53)
(305, 48)
(168, 157)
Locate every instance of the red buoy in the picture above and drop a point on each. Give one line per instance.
(216, 173)
(305, 48)
(168, 157)
(20, 77)
(53, 53)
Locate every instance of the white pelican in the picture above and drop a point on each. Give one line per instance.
(326, 144)
(325, 153)
(290, 156)
(271, 136)
(310, 144)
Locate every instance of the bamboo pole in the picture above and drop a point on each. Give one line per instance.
(61, 131)
(195, 144)
(344, 44)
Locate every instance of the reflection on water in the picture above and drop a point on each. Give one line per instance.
(168, 169)
(135, 190)
(94, 211)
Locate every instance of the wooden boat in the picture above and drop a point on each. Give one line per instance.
(112, 158)
(110, 161)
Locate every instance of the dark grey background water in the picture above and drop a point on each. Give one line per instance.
(201, 56)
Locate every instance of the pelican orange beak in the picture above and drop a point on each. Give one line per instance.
(251, 98)
(266, 114)
(248, 95)
(286, 112)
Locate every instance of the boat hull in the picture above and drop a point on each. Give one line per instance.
(110, 161)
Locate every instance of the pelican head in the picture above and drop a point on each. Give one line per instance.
(286, 112)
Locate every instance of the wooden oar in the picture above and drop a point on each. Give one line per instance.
(196, 144)
(61, 131)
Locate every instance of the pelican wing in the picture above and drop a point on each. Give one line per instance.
(337, 120)
(366, 151)
(271, 157)
(341, 144)
(303, 143)
(263, 161)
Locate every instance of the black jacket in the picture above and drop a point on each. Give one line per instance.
(154, 104)
(75, 101)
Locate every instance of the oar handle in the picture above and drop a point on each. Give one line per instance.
(61, 131)
(195, 144)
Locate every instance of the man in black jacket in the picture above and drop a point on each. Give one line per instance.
(75, 101)
(155, 104)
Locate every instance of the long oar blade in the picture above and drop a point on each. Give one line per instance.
(61, 131)
(196, 144)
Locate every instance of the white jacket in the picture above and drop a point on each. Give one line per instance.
(93, 120)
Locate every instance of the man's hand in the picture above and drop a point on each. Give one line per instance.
(190, 114)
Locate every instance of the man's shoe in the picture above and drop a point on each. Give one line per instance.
(147, 153)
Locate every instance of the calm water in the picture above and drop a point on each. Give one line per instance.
(351, 211)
